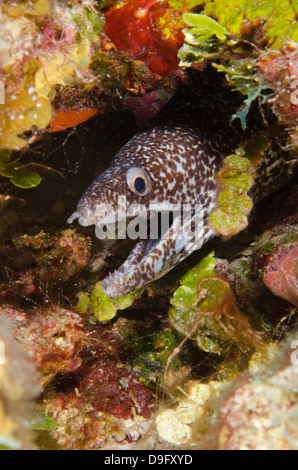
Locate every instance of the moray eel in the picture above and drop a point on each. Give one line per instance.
(176, 160)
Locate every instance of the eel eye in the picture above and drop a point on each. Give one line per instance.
(138, 181)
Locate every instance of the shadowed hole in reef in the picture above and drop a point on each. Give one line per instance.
(62, 383)
(68, 161)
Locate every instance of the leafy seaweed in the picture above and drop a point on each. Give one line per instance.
(20, 175)
(223, 34)
(204, 27)
(102, 306)
(277, 18)
(204, 310)
(237, 178)
(243, 74)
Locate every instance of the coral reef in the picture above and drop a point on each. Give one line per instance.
(81, 363)
(49, 48)
(149, 31)
(226, 395)
(52, 337)
(280, 69)
(42, 46)
(39, 263)
(276, 260)
(223, 319)
(204, 358)
(179, 426)
(251, 412)
(255, 46)
(267, 269)
(19, 387)
(206, 311)
(262, 413)
(59, 69)
(245, 45)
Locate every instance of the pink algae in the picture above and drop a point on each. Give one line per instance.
(281, 276)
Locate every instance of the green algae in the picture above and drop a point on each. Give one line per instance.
(227, 225)
(237, 178)
(43, 422)
(203, 28)
(186, 295)
(20, 175)
(234, 206)
(91, 28)
(105, 308)
(152, 350)
(49, 45)
(204, 310)
(277, 18)
(83, 302)
(232, 35)
(244, 75)
(204, 268)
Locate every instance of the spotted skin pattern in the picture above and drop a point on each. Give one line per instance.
(182, 153)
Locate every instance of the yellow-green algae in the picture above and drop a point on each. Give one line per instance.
(41, 46)
(277, 18)
(204, 310)
(102, 306)
(237, 178)
(18, 174)
(232, 36)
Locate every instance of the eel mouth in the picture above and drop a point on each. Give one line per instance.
(150, 259)
(140, 268)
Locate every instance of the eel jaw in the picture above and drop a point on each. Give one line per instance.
(136, 271)
(148, 261)
(152, 259)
